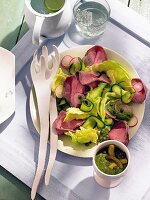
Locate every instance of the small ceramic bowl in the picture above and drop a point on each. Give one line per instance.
(105, 180)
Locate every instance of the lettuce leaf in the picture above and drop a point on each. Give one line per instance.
(75, 113)
(83, 135)
(58, 80)
(116, 73)
(96, 92)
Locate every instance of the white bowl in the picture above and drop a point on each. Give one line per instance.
(105, 180)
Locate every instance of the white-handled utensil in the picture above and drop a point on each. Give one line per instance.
(53, 116)
(41, 84)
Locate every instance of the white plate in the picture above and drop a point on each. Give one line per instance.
(7, 83)
(64, 144)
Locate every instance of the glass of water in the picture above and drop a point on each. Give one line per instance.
(91, 17)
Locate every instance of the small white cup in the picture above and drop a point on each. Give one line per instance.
(50, 25)
(106, 180)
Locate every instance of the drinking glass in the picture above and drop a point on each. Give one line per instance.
(91, 17)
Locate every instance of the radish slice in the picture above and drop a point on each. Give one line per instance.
(59, 91)
(74, 60)
(110, 115)
(65, 62)
(138, 87)
(133, 121)
(127, 108)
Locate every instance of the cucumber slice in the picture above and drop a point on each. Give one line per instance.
(100, 123)
(74, 68)
(89, 123)
(106, 90)
(86, 105)
(62, 102)
(83, 67)
(117, 89)
(92, 122)
(108, 122)
(127, 97)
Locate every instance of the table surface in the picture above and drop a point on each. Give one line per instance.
(13, 25)
(18, 189)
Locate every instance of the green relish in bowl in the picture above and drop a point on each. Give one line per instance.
(111, 160)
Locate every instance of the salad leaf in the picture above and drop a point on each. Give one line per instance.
(97, 92)
(58, 79)
(83, 135)
(115, 72)
(75, 113)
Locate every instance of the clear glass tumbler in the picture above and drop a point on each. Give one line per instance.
(91, 17)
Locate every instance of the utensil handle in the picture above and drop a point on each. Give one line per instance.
(52, 158)
(53, 140)
(37, 30)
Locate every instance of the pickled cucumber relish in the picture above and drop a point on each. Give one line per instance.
(111, 160)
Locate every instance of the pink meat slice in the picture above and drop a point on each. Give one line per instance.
(61, 126)
(95, 55)
(120, 124)
(140, 90)
(73, 90)
(87, 78)
(119, 132)
(93, 84)
(104, 78)
(89, 58)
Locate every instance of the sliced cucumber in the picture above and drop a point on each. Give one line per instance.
(108, 122)
(100, 123)
(127, 97)
(89, 123)
(92, 122)
(86, 105)
(117, 89)
(74, 68)
(83, 67)
(62, 102)
(102, 108)
(106, 90)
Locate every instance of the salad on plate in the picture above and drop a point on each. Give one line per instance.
(94, 98)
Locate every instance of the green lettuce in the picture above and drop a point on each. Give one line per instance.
(96, 92)
(58, 80)
(75, 113)
(116, 72)
(83, 135)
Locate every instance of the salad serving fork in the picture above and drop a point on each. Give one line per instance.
(53, 116)
(42, 79)
(41, 86)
